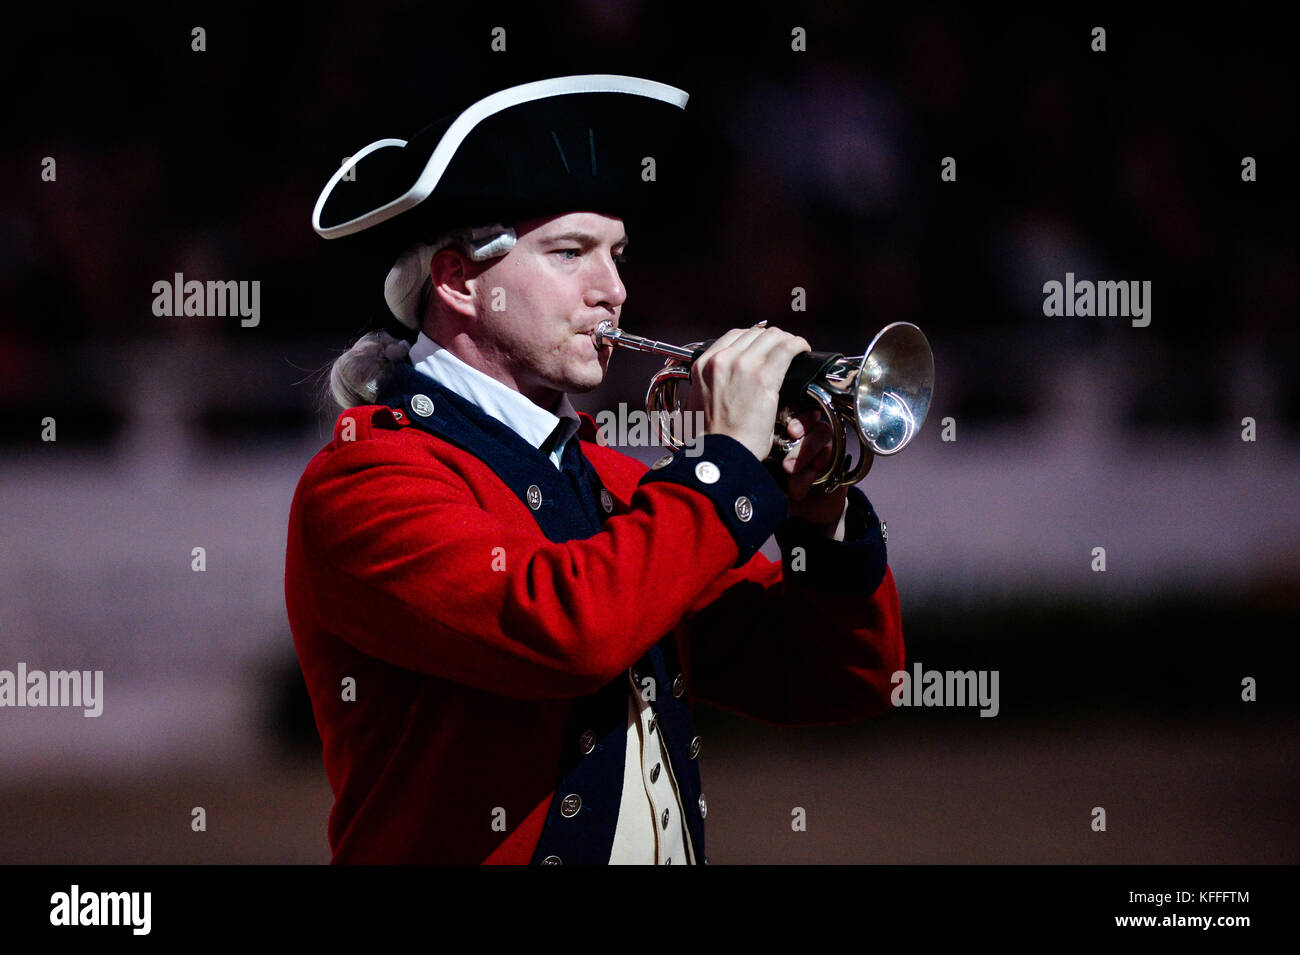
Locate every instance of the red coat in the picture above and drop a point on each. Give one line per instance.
(415, 571)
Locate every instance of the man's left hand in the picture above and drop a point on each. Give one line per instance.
(803, 465)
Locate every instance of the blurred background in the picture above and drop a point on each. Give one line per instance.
(817, 169)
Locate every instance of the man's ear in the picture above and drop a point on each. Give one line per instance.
(452, 274)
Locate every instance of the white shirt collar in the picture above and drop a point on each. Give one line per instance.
(531, 422)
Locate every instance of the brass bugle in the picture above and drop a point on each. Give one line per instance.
(883, 394)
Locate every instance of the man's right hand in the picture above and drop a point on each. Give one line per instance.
(737, 384)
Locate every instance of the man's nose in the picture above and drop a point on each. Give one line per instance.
(605, 288)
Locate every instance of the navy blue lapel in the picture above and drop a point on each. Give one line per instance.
(561, 511)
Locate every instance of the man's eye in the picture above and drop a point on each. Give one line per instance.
(571, 255)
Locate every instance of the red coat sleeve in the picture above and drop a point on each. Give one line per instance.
(811, 645)
(398, 533)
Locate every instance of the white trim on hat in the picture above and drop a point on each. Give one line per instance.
(333, 233)
(464, 124)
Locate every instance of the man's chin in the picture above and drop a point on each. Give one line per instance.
(582, 385)
(588, 377)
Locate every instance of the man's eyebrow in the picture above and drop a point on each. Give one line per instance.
(582, 238)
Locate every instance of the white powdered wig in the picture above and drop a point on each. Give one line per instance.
(408, 280)
(358, 374)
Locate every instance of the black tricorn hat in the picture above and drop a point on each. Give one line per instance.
(568, 144)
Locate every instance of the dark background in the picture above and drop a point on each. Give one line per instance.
(817, 169)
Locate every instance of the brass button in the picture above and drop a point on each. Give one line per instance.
(570, 806)
(693, 751)
(679, 685)
(587, 742)
(707, 472)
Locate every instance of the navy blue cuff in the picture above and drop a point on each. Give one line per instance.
(852, 567)
(746, 496)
